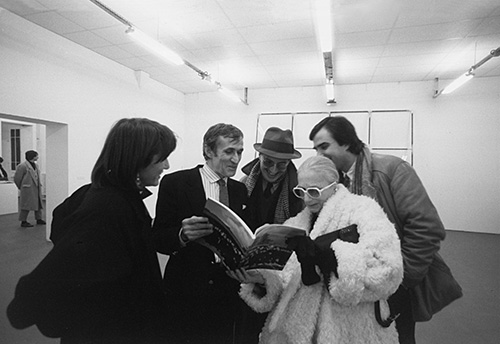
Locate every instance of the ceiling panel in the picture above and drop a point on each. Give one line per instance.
(54, 21)
(273, 43)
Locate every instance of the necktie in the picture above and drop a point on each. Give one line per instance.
(223, 194)
(267, 191)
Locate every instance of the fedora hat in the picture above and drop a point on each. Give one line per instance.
(278, 144)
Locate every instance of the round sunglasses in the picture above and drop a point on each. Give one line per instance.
(313, 192)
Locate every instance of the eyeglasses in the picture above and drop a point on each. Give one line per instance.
(268, 163)
(313, 192)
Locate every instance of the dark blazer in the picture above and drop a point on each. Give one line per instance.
(203, 300)
(101, 283)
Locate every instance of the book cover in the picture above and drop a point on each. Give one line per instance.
(236, 245)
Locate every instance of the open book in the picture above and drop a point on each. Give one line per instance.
(236, 245)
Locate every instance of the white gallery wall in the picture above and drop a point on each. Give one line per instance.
(79, 95)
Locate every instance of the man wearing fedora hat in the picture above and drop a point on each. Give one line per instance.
(270, 179)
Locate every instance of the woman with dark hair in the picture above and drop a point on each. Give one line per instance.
(101, 283)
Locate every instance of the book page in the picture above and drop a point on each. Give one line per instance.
(284, 231)
(270, 249)
(235, 226)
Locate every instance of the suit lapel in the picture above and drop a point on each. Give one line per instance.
(236, 199)
(194, 189)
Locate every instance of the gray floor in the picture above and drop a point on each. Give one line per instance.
(474, 259)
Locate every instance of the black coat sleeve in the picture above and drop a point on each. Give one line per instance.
(85, 280)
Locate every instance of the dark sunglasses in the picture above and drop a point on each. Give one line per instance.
(280, 166)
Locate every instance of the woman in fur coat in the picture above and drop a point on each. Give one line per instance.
(339, 305)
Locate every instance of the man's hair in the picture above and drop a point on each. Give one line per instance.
(31, 154)
(322, 166)
(220, 129)
(130, 146)
(341, 131)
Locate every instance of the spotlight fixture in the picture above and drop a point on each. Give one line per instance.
(329, 84)
(330, 91)
(204, 75)
(466, 76)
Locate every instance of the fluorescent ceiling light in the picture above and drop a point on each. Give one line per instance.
(154, 46)
(458, 82)
(323, 19)
(467, 76)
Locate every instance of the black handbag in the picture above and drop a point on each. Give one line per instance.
(436, 291)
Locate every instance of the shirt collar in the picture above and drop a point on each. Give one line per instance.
(350, 173)
(211, 175)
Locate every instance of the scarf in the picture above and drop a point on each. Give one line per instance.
(282, 211)
(362, 184)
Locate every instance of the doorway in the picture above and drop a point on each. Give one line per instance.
(53, 149)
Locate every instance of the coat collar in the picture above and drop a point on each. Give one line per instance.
(33, 173)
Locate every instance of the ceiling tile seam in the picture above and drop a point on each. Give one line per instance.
(388, 39)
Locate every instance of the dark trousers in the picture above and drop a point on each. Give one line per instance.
(23, 214)
(249, 326)
(405, 325)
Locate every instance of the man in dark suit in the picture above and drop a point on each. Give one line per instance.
(203, 301)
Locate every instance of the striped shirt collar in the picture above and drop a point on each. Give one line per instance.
(210, 174)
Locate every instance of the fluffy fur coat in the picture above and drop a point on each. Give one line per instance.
(369, 270)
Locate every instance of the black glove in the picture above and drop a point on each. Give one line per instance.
(325, 257)
(306, 254)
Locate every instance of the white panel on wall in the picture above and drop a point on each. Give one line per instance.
(302, 125)
(361, 122)
(283, 121)
(391, 130)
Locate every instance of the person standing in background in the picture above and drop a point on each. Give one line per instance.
(27, 179)
(3, 173)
